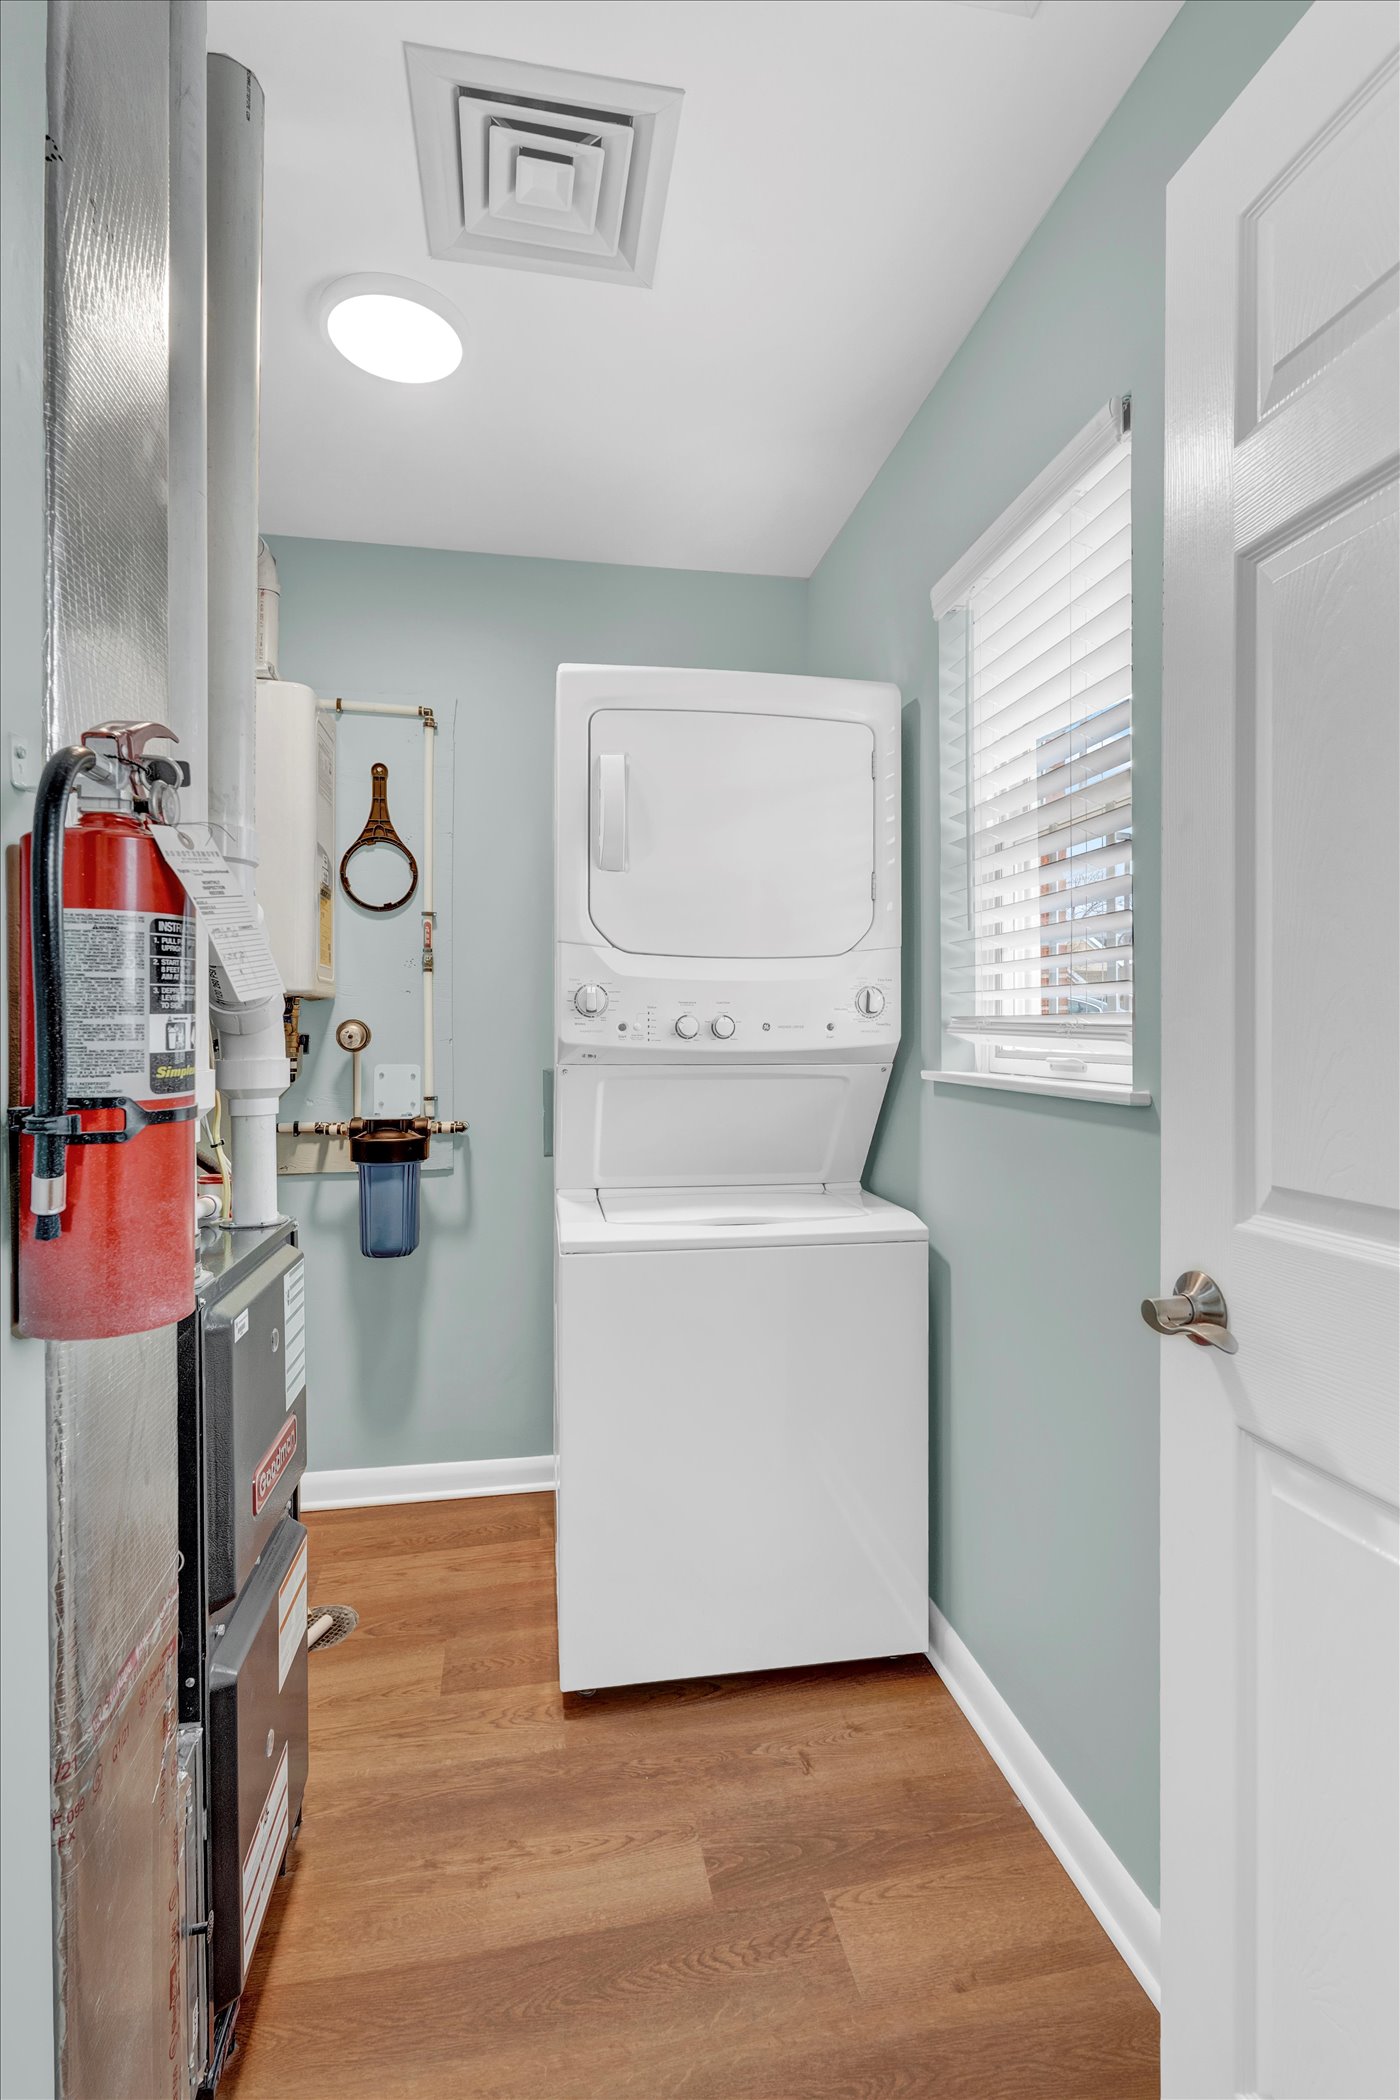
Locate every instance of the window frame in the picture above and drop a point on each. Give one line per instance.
(1071, 1064)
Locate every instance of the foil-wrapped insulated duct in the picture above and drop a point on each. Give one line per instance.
(105, 380)
(111, 1404)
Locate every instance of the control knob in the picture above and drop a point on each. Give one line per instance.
(591, 999)
(722, 1026)
(870, 1001)
(686, 1027)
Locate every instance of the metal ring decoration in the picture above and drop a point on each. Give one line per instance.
(379, 831)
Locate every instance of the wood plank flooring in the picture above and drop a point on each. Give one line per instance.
(812, 1885)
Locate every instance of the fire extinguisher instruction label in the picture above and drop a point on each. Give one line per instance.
(129, 1003)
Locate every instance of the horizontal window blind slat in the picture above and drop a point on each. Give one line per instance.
(1050, 916)
(1073, 963)
(1104, 499)
(1077, 548)
(1051, 906)
(1105, 920)
(1073, 667)
(1063, 730)
(1068, 604)
(1097, 485)
(1096, 991)
(1038, 790)
(1011, 1028)
(1088, 813)
(1073, 566)
(1026, 1030)
(1050, 910)
(1080, 738)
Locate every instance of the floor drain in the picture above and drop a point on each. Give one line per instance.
(329, 1624)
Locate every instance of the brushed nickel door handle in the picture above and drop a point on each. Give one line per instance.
(1197, 1310)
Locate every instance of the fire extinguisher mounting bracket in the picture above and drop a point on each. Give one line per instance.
(135, 1119)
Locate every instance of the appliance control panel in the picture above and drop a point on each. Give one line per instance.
(851, 1008)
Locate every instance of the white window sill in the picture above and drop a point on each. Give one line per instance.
(1061, 1089)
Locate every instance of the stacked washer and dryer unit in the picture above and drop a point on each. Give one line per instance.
(741, 1337)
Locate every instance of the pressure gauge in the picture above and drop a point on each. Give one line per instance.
(163, 802)
(353, 1035)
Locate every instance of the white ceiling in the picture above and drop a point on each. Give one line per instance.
(852, 179)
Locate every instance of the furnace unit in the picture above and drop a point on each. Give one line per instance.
(243, 1588)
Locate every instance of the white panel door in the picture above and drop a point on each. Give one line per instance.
(727, 834)
(1280, 1637)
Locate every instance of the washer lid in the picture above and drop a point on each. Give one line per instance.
(722, 1125)
(615, 1221)
(732, 1206)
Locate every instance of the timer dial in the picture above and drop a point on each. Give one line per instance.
(591, 999)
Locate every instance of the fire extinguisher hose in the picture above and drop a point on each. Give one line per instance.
(48, 1192)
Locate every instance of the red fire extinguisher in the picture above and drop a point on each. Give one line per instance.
(107, 1060)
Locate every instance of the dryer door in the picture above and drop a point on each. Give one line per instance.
(744, 835)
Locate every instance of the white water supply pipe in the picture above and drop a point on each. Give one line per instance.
(252, 1068)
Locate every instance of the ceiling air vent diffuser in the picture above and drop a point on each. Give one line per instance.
(538, 169)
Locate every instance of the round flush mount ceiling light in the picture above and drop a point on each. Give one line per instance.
(392, 327)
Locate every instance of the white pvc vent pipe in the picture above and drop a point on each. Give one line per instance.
(252, 1070)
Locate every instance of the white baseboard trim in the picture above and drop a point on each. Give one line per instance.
(1086, 1856)
(367, 1487)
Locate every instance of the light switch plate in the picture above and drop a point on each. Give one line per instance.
(398, 1090)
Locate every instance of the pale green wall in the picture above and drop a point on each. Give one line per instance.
(1043, 1214)
(449, 1355)
(26, 1961)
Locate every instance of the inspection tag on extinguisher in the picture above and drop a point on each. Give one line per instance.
(242, 956)
(129, 1003)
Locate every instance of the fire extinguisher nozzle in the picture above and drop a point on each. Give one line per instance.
(48, 1226)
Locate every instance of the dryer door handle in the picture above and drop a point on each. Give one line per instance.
(611, 837)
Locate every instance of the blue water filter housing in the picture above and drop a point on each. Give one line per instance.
(389, 1156)
(389, 1209)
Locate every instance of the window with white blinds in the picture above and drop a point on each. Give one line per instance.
(1035, 633)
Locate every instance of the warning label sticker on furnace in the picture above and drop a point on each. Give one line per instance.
(263, 1857)
(129, 1003)
(291, 1614)
(294, 1330)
